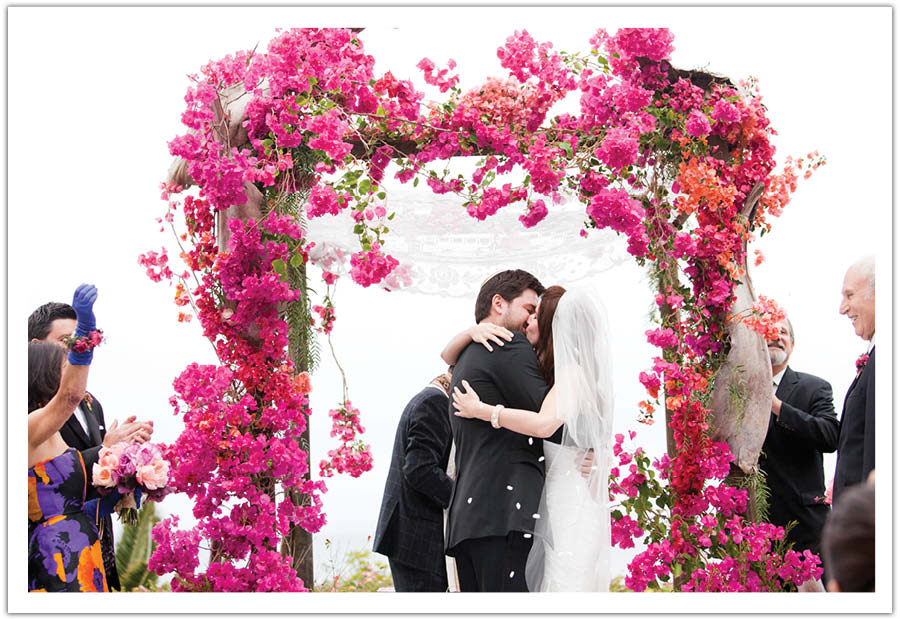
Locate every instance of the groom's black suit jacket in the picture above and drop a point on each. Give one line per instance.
(856, 446)
(499, 474)
(74, 435)
(410, 526)
(791, 458)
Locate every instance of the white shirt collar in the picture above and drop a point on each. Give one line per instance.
(777, 378)
(79, 415)
(871, 344)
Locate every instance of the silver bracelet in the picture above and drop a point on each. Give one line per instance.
(495, 416)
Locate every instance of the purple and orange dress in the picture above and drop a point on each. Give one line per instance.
(63, 543)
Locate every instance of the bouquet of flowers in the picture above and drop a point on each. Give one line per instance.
(126, 467)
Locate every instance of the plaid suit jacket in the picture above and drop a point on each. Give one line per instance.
(410, 526)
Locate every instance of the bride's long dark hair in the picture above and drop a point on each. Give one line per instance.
(544, 346)
(44, 372)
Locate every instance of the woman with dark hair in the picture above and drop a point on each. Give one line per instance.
(570, 333)
(63, 547)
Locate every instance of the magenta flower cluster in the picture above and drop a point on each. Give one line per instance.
(353, 456)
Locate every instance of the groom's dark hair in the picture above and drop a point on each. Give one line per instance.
(41, 319)
(509, 285)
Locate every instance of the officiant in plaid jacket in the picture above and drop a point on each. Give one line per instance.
(410, 530)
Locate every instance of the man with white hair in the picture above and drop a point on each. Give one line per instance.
(856, 445)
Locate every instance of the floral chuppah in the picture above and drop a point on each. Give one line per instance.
(653, 155)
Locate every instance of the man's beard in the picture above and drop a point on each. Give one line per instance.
(777, 356)
(515, 328)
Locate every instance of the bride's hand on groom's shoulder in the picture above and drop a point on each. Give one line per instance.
(486, 332)
(468, 404)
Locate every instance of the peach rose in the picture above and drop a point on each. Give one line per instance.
(153, 476)
(102, 477)
(109, 459)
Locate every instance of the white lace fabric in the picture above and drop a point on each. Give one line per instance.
(443, 250)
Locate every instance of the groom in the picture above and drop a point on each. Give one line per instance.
(500, 474)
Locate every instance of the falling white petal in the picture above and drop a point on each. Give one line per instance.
(530, 441)
(470, 500)
(509, 487)
(536, 516)
(518, 506)
(513, 573)
(541, 459)
(528, 536)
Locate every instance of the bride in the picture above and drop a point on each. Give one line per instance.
(572, 534)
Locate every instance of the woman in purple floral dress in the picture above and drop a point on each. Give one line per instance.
(63, 547)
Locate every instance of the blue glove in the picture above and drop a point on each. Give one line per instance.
(83, 303)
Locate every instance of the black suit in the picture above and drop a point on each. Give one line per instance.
(806, 427)
(74, 435)
(410, 528)
(500, 474)
(856, 447)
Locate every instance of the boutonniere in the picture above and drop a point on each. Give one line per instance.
(861, 362)
(88, 400)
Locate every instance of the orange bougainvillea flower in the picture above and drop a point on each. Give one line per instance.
(700, 187)
(764, 318)
(302, 383)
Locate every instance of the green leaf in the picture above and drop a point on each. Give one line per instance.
(567, 148)
(380, 111)
(279, 266)
(296, 260)
(381, 195)
(416, 181)
(358, 229)
(365, 185)
(391, 216)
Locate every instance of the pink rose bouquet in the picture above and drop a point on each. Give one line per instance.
(126, 467)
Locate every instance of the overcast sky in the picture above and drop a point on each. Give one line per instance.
(95, 94)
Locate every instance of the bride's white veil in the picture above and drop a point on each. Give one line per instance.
(572, 537)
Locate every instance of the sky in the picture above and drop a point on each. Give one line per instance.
(95, 94)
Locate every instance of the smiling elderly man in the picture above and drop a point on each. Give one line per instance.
(802, 426)
(856, 445)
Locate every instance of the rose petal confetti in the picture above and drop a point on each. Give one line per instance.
(509, 487)
(470, 500)
(518, 506)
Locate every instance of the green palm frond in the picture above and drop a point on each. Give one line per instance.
(134, 549)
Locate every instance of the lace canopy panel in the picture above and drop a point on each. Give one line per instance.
(443, 250)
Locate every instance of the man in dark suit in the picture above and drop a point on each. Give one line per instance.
(500, 474)
(802, 426)
(856, 446)
(86, 429)
(410, 530)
